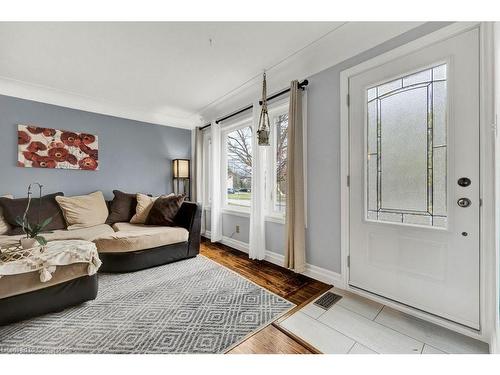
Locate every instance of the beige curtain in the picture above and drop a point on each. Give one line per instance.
(295, 252)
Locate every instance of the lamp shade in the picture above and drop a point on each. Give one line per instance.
(181, 168)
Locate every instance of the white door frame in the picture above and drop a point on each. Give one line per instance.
(488, 261)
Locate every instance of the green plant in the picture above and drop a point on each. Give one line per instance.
(33, 231)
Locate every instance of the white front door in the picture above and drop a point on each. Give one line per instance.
(414, 179)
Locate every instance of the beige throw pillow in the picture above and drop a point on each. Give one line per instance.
(84, 211)
(4, 226)
(144, 205)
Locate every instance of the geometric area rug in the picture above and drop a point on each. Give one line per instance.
(190, 306)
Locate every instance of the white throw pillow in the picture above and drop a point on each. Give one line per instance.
(144, 205)
(4, 226)
(84, 211)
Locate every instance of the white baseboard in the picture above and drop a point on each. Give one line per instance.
(228, 241)
(312, 271)
(324, 275)
(275, 258)
(235, 244)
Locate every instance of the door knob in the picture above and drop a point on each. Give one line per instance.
(464, 202)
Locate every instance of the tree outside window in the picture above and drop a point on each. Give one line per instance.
(281, 123)
(239, 167)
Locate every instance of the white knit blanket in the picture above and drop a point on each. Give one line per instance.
(55, 253)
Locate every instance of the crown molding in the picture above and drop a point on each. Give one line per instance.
(49, 95)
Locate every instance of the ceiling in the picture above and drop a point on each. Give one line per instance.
(170, 73)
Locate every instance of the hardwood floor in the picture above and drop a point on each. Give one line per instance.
(270, 340)
(296, 288)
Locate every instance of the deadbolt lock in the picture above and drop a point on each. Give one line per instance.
(464, 181)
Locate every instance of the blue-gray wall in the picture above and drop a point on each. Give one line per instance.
(133, 156)
(323, 147)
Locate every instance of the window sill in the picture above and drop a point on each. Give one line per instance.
(236, 212)
(278, 219)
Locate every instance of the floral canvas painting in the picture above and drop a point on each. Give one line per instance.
(51, 148)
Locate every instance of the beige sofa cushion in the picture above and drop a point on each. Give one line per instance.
(143, 228)
(4, 226)
(144, 205)
(88, 234)
(84, 211)
(141, 239)
(12, 285)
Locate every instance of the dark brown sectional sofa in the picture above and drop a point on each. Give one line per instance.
(123, 247)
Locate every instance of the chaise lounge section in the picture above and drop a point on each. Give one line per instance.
(134, 247)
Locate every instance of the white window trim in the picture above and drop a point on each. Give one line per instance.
(225, 130)
(236, 212)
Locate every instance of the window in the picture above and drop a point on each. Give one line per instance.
(277, 160)
(238, 158)
(280, 122)
(406, 149)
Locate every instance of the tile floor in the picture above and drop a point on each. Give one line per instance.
(356, 325)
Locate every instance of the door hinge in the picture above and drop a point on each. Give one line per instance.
(348, 181)
(480, 202)
(348, 100)
(348, 261)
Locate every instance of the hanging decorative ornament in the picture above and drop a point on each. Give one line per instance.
(264, 125)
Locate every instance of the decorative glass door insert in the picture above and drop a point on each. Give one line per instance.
(406, 148)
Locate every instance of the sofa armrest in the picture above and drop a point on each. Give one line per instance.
(189, 217)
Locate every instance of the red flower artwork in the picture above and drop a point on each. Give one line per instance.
(44, 162)
(70, 139)
(58, 154)
(34, 129)
(49, 132)
(88, 163)
(41, 147)
(56, 144)
(28, 155)
(70, 158)
(22, 137)
(87, 138)
(88, 150)
(36, 146)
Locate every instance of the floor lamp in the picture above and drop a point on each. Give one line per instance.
(181, 177)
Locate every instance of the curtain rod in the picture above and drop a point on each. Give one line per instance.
(302, 86)
(229, 116)
(234, 113)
